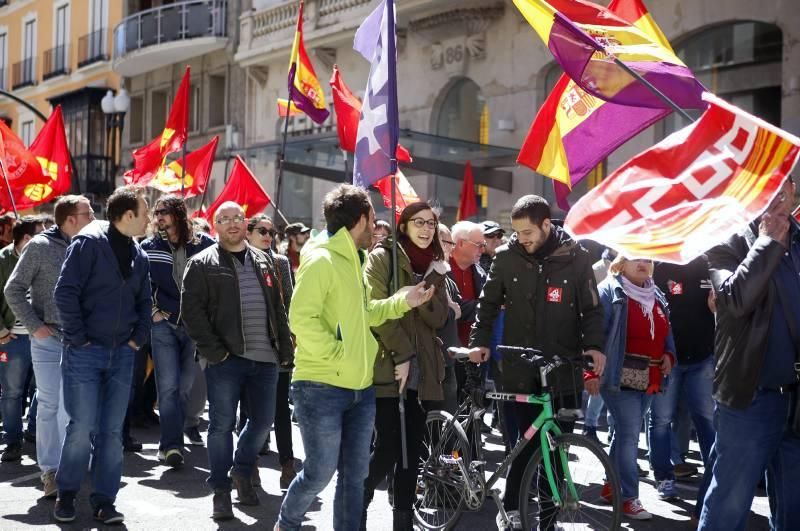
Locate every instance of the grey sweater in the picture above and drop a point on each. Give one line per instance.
(38, 269)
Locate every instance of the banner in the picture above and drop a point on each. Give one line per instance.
(692, 190)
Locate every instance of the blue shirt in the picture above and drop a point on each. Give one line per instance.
(778, 367)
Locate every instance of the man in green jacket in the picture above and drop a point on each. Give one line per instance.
(331, 315)
(15, 346)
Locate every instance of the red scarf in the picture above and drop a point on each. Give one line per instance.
(420, 258)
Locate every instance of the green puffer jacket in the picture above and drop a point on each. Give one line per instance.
(415, 333)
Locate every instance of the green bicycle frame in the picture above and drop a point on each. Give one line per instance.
(543, 425)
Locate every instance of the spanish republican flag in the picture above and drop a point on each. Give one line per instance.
(198, 169)
(148, 159)
(585, 38)
(242, 188)
(574, 130)
(692, 190)
(305, 91)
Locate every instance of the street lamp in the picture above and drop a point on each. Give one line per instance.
(114, 107)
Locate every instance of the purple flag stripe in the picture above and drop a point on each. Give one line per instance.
(303, 102)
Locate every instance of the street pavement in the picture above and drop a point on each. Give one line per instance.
(154, 497)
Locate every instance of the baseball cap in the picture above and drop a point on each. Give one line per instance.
(492, 228)
(296, 228)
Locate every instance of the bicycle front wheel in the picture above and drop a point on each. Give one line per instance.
(588, 488)
(441, 483)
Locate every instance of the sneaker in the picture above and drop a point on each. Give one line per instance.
(172, 458)
(288, 474)
(633, 509)
(514, 521)
(64, 511)
(49, 484)
(684, 470)
(590, 432)
(131, 444)
(666, 490)
(223, 510)
(108, 515)
(193, 436)
(13, 452)
(244, 490)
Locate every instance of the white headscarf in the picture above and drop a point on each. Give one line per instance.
(645, 296)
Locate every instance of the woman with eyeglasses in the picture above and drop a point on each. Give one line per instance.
(410, 361)
(640, 351)
(261, 235)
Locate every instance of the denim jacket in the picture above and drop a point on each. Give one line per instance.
(615, 321)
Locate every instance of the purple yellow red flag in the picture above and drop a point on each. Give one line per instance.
(574, 130)
(198, 169)
(305, 91)
(585, 38)
(692, 190)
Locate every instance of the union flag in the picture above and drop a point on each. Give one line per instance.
(242, 188)
(198, 169)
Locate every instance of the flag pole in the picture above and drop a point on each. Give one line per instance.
(347, 178)
(183, 168)
(652, 88)
(285, 134)
(8, 187)
(277, 211)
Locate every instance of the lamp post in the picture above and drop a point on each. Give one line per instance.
(114, 107)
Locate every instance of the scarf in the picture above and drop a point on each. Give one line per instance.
(420, 258)
(645, 296)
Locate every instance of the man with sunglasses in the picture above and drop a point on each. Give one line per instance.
(168, 250)
(232, 307)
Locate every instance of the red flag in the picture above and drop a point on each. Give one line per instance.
(348, 113)
(242, 188)
(148, 159)
(468, 206)
(690, 191)
(23, 170)
(404, 195)
(198, 170)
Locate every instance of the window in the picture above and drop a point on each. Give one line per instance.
(97, 27)
(27, 132)
(61, 37)
(29, 40)
(3, 60)
(158, 112)
(136, 120)
(194, 107)
(216, 100)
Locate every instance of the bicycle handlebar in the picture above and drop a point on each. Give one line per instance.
(531, 355)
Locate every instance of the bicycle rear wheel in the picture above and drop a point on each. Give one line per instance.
(594, 503)
(441, 484)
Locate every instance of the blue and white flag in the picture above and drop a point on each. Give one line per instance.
(378, 128)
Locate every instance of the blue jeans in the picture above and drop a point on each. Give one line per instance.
(51, 417)
(594, 406)
(97, 387)
(173, 359)
(694, 382)
(227, 382)
(13, 377)
(628, 409)
(336, 425)
(749, 442)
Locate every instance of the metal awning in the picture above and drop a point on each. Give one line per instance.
(318, 155)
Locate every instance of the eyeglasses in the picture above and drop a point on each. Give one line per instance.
(162, 212)
(225, 220)
(448, 242)
(264, 231)
(481, 245)
(419, 223)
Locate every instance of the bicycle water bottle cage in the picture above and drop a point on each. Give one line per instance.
(569, 415)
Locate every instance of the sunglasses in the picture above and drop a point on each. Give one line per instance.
(161, 212)
(264, 231)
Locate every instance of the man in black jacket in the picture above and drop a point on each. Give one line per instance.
(546, 284)
(231, 307)
(756, 278)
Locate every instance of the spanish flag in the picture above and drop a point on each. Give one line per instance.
(305, 91)
(585, 38)
(575, 130)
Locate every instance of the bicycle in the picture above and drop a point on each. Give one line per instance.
(558, 487)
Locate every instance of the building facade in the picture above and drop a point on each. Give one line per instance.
(472, 75)
(57, 52)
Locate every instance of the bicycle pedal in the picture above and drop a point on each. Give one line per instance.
(477, 464)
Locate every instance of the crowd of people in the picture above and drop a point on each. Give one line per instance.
(350, 325)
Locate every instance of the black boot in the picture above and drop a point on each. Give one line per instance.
(402, 520)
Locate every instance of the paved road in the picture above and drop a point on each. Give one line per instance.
(153, 497)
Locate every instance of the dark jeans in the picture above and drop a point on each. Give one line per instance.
(97, 387)
(336, 425)
(137, 382)
(173, 360)
(15, 364)
(748, 443)
(524, 415)
(387, 455)
(228, 381)
(283, 419)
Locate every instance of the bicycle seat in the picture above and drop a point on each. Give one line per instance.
(567, 414)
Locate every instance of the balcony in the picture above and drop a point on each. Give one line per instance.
(92, 48)
(23, 73)
(56, 62)
(169, 34)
